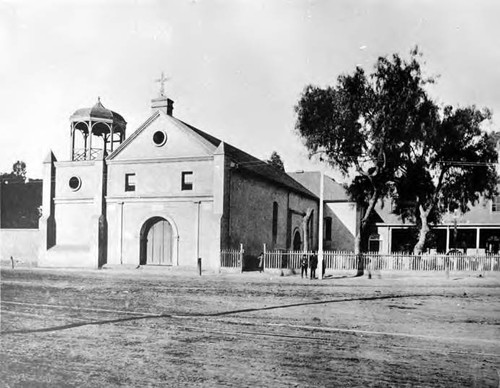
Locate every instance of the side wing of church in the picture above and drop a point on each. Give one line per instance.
(167, 195)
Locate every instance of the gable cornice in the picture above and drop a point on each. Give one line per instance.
(136, 133)
(164, 160)
(207, 146)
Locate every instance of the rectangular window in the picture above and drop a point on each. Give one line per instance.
(129, 182)
(187, 180)
(328, 228)
(495, 204)
(275, 222)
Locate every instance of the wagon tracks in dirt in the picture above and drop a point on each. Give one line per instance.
(138, 315)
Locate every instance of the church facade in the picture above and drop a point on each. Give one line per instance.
(166, 195)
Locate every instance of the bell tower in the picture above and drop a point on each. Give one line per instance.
(95, 131)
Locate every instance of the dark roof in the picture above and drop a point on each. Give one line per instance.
(97, 112)
(253, 165)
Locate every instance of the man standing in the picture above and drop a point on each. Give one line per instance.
(303, 266)
(313, 265)
(261, 261)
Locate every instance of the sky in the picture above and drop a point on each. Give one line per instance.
(236, 68)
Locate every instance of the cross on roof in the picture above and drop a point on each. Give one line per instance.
(162, 81)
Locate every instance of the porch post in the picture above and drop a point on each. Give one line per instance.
(478, 230)
(447, 238)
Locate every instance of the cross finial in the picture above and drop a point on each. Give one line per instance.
(162, 81)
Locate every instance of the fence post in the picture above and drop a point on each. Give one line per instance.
(241, 257)
(264, 258)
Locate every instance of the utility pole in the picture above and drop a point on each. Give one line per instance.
(320, 231)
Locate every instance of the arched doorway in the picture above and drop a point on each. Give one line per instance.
(156, 242)
(297, 241)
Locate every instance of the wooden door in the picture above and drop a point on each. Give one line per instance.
(159, 244)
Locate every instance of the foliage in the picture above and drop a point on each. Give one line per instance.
(276, 161)
(19, 169)
(449, 166)
(362, 124)
(387, 134)
(20, 198)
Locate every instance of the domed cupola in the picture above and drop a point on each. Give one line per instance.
(101, 131)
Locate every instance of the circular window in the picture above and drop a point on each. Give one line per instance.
(74, 183)
(159, 138)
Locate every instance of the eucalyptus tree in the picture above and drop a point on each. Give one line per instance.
(451, 165)
(362, 125)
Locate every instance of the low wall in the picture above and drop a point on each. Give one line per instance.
(21, 244)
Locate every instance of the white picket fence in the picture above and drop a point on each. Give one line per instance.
(231, 258)
(284, 259)
(335, 260)
(410, 262)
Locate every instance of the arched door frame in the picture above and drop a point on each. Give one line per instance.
(145, 225)
(295, 232)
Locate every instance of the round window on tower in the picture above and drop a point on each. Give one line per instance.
(159, 138)
(75, 183)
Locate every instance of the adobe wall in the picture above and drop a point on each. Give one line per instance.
(21, 244)
(160, 178)
(75, 211)
(251, 213)
(158, 193)
(126, 220)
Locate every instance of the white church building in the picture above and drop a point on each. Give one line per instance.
(166, 195)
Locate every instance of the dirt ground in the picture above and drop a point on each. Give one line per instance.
(156, 327)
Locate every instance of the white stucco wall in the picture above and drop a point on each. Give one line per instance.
(344, 218)
(21, 244)
(161, 178)
(182, 215)
(346, 212)
(179, 143)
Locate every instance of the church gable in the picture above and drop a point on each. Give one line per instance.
(163, 136)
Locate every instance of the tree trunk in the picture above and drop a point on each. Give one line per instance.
(305, 228)
(359, 255)
(422, 234)
(361, 231)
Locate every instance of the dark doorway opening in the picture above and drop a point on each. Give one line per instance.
(297, 242)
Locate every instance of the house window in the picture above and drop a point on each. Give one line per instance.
(374, 243)
(495, 204)
(187, 180)
(328, 228)
(129, 182)
(275, 222)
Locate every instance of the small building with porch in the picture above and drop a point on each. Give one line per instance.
(476, 232)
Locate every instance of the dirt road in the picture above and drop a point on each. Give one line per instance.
(141, 328)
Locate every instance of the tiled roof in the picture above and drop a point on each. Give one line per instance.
(253, 165)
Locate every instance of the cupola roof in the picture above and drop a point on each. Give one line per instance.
(98, 113)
